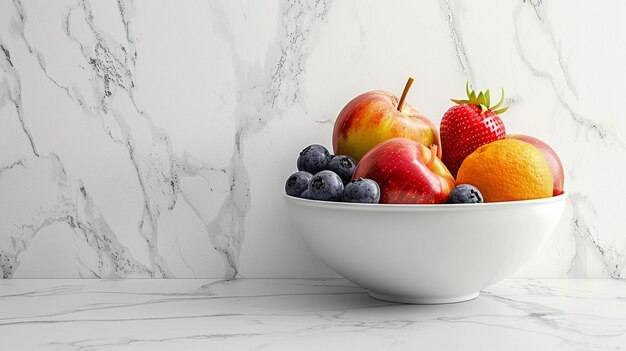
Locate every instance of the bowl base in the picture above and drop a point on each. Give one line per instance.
(422, 301)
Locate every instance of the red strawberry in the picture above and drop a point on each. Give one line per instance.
(469, 125)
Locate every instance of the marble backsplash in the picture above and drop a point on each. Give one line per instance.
(153, 138)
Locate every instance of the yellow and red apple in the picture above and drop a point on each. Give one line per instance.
(376, 116)
(550, 155)
(407, 172)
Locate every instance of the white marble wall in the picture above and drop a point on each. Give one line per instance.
(152, 138)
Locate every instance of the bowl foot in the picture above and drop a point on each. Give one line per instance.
(422, 301)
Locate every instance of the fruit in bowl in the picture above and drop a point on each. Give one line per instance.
(376, 116)
(468, 125)
(465, 194)
(332, 180)
(407, 172)
(507, 170)
(550, 155)
(387, 213)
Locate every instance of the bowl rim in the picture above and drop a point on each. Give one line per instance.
(423, 207)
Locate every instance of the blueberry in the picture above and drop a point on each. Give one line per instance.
(343, 165)
(465, 194)
(325, 186)
(297, 183)
(313, 158)
(361, 190)
(305, 194)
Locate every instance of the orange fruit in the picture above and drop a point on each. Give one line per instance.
(507, 170)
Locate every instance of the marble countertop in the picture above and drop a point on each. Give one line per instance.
(293, 314)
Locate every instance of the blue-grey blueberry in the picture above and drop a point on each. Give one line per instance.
(297, 183)
(344, 166)
(465, 194)
(361, 190)
(325, 186)
(313, 158)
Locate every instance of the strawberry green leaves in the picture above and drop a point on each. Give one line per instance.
(482, 100)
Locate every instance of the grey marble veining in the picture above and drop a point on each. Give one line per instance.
(143, 139)
(287, 314)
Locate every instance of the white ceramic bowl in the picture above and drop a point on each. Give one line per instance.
(425, 254)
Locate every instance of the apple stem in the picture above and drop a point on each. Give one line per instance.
(404, 93)
(433, 154)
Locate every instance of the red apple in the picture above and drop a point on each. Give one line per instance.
(553, 160)
(377, 116)
(407, 172)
